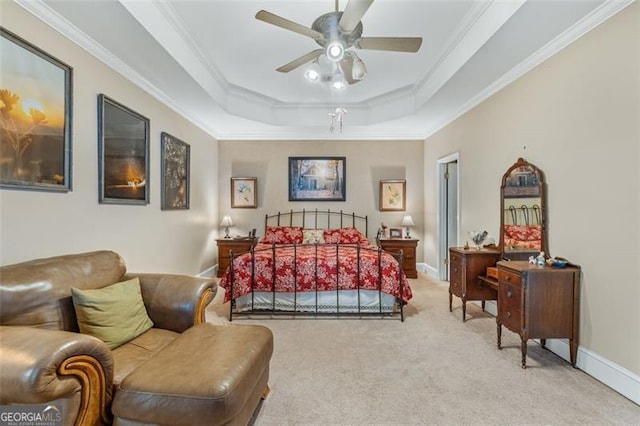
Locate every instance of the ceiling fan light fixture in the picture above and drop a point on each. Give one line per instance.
(312, 73)
(335, 51)
(359, 70)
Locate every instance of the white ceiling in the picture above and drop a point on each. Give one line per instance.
(214, 63)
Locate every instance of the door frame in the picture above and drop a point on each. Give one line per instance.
(442, 209)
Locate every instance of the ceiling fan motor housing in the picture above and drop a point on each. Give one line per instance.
(328, 26)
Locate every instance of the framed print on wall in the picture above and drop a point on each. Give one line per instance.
(123, 154)
(244, 193)
(317, 179)
(174, 174)
(35, 117)
(392, 195)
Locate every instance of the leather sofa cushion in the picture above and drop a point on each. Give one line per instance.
(208, 372)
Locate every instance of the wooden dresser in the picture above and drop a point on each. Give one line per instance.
(539, 302)
(237, 246)
(465, 266)
(408, 246)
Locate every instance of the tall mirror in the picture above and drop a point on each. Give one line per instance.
(523, 212)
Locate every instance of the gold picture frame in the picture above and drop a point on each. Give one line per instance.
(244, 192)
(393, 195)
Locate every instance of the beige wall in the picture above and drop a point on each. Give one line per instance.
(40, 224)
(578, 116)
(367, 162)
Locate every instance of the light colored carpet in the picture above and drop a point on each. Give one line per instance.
(432, 369)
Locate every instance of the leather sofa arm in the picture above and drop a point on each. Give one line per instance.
(176, 302)
(41, 365)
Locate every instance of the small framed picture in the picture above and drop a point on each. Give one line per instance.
(395, 232)
(244, 192)
(392, 195)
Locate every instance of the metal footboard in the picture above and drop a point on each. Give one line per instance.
(317, 309)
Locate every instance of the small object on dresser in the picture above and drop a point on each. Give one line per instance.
(478, 238)
(540, 259)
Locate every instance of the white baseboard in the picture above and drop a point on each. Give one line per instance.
(426, 269)
(209, 273)
(611, 374)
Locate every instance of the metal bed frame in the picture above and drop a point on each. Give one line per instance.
(299, 218)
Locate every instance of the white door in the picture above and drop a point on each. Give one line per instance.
(449, 212)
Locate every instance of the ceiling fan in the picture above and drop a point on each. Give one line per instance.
(337, 32)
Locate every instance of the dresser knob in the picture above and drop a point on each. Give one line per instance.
(509, 292)
(508, 314)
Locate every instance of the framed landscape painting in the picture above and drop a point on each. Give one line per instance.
(317, 179)
(175, 173)
(35, 117)
(123, 154)
(392, 195)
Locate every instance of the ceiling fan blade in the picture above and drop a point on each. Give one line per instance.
(301, 60)
(281, 22)
(395, 44)
(353, 13)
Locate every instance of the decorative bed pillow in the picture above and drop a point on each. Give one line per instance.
(344, 236)
(312, 236)
(523, 232)
(114, 314)
(282, 235)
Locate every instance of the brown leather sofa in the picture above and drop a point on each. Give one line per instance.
(181, 371)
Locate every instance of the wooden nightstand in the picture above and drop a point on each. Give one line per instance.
(408, 247)
(237, 246)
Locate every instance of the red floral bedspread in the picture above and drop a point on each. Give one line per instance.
(303, 275)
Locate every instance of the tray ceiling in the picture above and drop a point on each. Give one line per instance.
(214, 63)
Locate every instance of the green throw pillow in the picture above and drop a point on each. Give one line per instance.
(114, 314)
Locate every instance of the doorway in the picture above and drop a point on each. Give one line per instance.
(449, 218)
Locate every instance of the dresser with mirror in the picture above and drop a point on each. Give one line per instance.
(536, 301)
(533, 300)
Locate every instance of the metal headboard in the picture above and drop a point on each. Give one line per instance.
(318, 219)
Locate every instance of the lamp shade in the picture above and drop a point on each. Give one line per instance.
(407, 221)
(226, 221)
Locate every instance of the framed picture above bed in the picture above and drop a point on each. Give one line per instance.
(393, 195)
(244, 193)
(317, 179)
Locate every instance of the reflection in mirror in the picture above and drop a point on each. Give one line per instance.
(523, 231)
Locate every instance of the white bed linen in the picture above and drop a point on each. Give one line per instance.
(306, 302)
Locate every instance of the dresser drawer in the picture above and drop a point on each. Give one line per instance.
(510, 305)
(509, 277)
(455, 274)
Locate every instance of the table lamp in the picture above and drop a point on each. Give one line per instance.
(407, 222)
(226, 222)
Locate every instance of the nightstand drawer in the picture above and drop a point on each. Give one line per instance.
(228, 245)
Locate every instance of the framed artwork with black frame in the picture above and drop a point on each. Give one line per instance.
(317, 178)
(123, 154)
(35, 117)
(175, 164)
(393, 195)
(244, 193)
